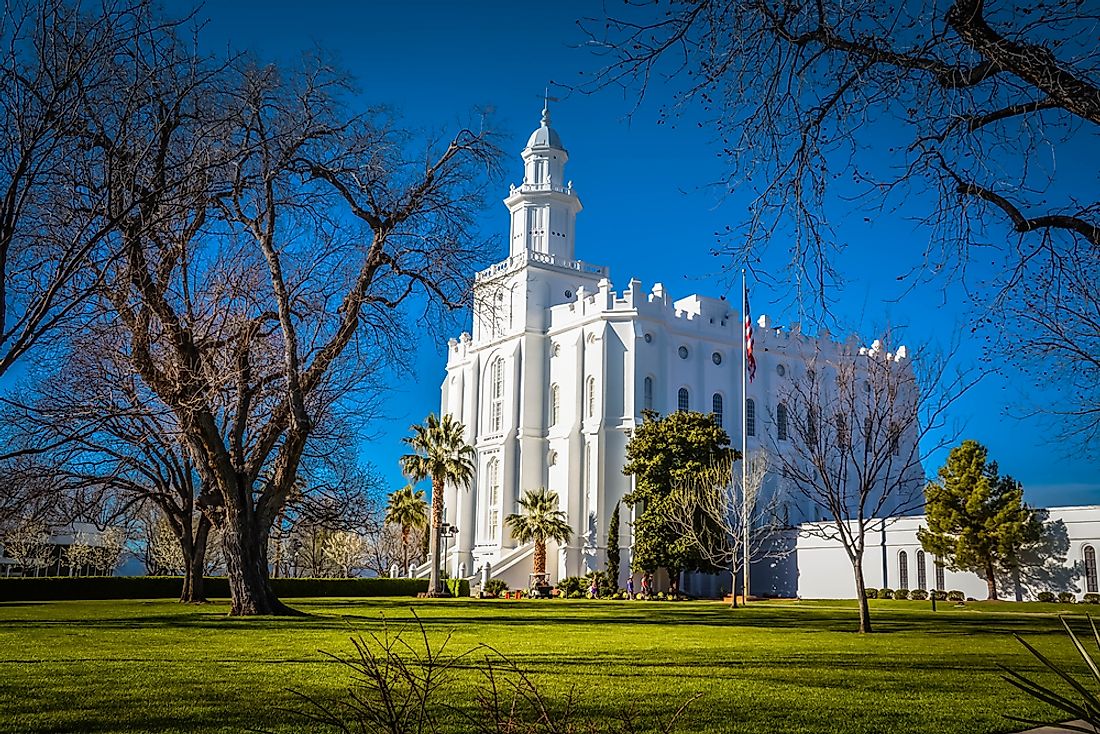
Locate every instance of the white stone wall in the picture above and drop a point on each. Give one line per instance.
(824, 571)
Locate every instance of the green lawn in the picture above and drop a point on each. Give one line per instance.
(128, 666)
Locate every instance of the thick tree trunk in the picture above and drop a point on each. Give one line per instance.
(194, 556)
(861, 597)
(404, 550)
(991, 580)
(435, 585)
(245, 550)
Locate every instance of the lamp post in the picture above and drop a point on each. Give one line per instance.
(446, 532)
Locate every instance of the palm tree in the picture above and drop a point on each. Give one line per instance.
(540, 520)
(441, 455)
(407, 509)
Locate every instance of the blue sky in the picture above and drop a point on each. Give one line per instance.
(649, 210)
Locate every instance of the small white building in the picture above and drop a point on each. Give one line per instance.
(894, 560)
(560, 366)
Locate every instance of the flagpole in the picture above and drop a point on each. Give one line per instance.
(744, 437)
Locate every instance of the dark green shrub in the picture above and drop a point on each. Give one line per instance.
(1047, 596)
(217, 587)
(576, 594)
(885, 593)
(870, 593)
(1066, 597)
(956, 595)
(1090, 599)
(458, 587)
(495, 587)
(918, 594)
(570, 584)
(901, 594)
(939, 594)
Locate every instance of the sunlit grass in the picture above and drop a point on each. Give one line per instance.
(128, 666)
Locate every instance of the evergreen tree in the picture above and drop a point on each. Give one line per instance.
(977, 519)
(665, 453)
(613, 558)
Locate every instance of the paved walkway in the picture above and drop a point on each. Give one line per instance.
(1054, 728)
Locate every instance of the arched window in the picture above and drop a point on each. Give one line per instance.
(940, 583)
(811, 426)
(1090, 570)
(903, 570)
(492, 521)
(496, 403)
(555, 404)
(781, 422)
(590, 396)
(716, 408)
(647, 393)
(922, 573)
(682, 399)
(750, 417)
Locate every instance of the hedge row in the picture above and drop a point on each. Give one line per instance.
(168, 587)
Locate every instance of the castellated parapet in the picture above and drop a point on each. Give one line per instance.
(559, 369)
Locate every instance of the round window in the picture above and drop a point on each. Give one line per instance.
(683, 352)
(780, 370)
(569, 294)
(648, 338)
(716, 358)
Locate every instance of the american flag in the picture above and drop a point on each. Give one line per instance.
(750, 360)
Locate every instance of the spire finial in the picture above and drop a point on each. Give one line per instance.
(546, 107)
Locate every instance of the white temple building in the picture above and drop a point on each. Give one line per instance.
(560, 366)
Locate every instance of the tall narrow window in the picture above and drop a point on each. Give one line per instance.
(868, 426)
(647, 393)
(750, 417)
(781, 422)
(1090, 570)
(903, 570)
(555, 404)
(922, 573)
(940, 583)
(811, 426)
(682, 399)
(716, 408)
(591, 396)
(496, 405)
(493, 518)
(895, 439)
(843, 437)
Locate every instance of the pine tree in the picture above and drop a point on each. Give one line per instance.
(977, 519)
(613, 558)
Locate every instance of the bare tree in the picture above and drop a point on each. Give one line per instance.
(28, 544)
(851, 434)
(966, 104)
(715, 512)
(346, 551)
(57, 85)
(262, 269)
(97, 432)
